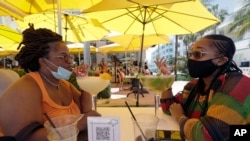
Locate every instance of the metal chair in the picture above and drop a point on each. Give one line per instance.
(137, 87)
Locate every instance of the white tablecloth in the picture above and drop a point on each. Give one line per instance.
(126, 127)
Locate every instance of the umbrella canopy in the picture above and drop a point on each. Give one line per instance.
(142, 17)
(74, 28)
(134, 41)
(77, 48)
(20, 8)
(4, 12)
(152, 17)
(6, 52)
(80, 50)
(10, 47)
(9, 35)
(117, 48)
(9, 40)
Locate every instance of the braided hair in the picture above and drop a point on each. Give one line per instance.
(226, 46)
(34, 46)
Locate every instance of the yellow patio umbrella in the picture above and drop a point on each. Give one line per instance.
(142, 17)
(5, 12)
(6, 52)
(9, 35)
(80, 50)
(77, 48)
(9, 40)
(169, 17)
(116, 48)
(134, 41)
(20, 8)
(74, 28)
(10, 47)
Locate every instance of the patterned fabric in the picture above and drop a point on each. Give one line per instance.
(228, 97)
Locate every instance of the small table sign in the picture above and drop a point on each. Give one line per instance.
(103, 128)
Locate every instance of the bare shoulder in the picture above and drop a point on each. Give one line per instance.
(22, 102)
(24, 90)
(25, 86)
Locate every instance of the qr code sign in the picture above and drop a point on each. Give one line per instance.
(102, 133)
(103, 128)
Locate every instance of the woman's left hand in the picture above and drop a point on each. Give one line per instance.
(161, 64)
(176, 111)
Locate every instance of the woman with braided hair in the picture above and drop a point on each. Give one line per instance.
(216, 98)
(44, 89)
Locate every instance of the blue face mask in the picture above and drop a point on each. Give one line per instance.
(61, 73)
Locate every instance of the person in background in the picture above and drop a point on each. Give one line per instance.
(45, 58)
(1, 65)
(7, 76)
(103, 66)
(219, 95)
(146, 71)
(126, 70)
(121, 77)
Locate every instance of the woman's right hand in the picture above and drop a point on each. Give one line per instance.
(92, 113)
(81, 70)
(83, 123)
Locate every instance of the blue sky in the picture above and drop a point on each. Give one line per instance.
(228, 5)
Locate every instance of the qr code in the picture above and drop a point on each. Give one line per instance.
(103, 133)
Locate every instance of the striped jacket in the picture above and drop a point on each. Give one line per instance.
(228, 103)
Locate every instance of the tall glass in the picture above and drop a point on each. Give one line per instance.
(92, 85)
(157, 84)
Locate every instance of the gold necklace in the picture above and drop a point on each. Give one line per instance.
(50, 82)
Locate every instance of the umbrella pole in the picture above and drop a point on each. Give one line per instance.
(141, 51)
(140, 67)
(115, 72)
(140, 71)
(66, 26)
(59, 17)
(126, 62)
(79, 57)
(175, 58)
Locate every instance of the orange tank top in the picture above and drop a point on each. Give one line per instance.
(49, 106)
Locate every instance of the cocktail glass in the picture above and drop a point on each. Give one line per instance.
(157, 84)
(92, 85)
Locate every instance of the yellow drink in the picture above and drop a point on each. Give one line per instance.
(92, 84)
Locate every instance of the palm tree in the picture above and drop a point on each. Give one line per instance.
(241, 20)
(219, 13)
(188, 39)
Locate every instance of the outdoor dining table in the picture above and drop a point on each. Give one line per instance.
(166, 122)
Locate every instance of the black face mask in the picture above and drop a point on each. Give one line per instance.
(201, 68)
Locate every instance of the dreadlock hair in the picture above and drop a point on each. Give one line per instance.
(35, 45)
(226, 46)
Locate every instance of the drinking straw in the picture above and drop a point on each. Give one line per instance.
(136, 121)
(53, 125)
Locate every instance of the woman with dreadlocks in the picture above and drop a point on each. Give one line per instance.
(216, 98)
(44, 89)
